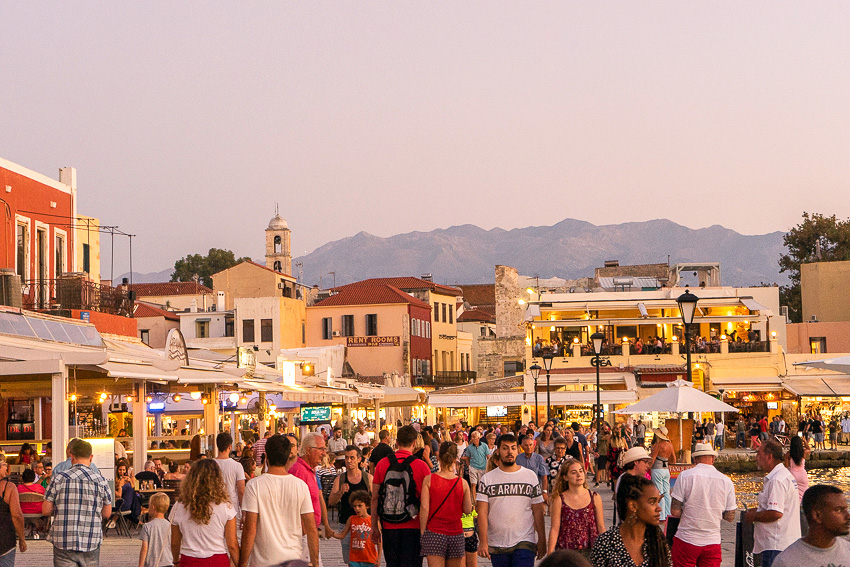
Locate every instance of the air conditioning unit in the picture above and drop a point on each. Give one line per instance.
(335, 333)
(10, 288)
(783, 311)
(814, 319)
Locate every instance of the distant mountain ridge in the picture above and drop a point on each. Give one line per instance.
(569, 249)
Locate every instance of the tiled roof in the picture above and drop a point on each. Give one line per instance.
(370, 295)
(169, 288)
(476, 315)
(407, 282)
(141, 309)
(479, 295)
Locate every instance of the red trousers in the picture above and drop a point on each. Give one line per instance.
(687, 555)
(218, 560)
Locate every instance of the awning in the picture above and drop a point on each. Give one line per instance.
(825, 385)
(369, 392)
(531, 311)
(438, 400)
(754, 305)
(137, 372)
(401, 396)
(587, 397)
(747, 383)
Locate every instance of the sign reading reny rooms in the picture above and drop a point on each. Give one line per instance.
(373, 341)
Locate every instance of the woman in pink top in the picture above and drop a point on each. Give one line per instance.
(445, 496)
(577, 517)
(797, 463)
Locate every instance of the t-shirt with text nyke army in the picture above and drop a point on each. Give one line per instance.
(509, 496)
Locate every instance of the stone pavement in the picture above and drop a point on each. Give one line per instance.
(118, 551)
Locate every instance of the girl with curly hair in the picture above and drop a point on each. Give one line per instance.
(203, 521)
(638, 541)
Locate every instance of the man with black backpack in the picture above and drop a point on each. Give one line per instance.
(396, 489)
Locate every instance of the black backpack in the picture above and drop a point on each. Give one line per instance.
(397, 499)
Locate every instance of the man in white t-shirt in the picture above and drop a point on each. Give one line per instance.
(336, 448)
(777, 518)
(232, 473)
(278, 512)
(361, 438)
(825, 545)
(702, 497)
(514, 492)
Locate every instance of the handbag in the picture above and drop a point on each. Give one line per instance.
(452, 489)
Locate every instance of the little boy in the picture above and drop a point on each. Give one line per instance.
(156, 534)
(362, 552)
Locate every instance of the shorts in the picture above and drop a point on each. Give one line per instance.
(819, 437)
(475, 475)
(601, 462)
(470, 543)
(441, 545)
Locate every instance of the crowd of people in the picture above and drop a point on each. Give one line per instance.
(446, 494)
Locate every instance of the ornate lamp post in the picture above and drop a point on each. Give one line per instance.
(597, 338)
(547, 362)
(687, 307)
(535, 372)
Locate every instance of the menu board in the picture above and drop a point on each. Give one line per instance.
(315, 414)
(103, 457)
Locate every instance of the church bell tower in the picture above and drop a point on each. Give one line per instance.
(278, 245)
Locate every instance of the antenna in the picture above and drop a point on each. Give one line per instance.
(276, 209)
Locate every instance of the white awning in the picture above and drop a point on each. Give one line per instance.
(438, 400)
(587, 397)
(402, 396)
(642, 309)
(754, 305)
(137, 372)
(370, 392)
(824, 385)
(531, 311)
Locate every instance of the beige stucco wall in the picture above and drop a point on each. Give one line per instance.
(368, 361)
(443, 334)
(158, 327)
(180, 302)
(249, 280)
(87, 231)
(837, 336)
(824, 290)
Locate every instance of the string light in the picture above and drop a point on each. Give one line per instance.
(176, 397)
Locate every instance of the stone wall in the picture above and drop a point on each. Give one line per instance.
(735, 462)
(509, 342)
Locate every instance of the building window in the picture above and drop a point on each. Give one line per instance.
(818, 345)
(451, 313)
(444, 312)
(86, 258)
(202, 329)
(145, 335)
(59, 266)
(229, 327)
(278, 266)
(436, 359)
(436, 312)
(266, 331)
(372, 325)
(348, 325)
(247, 330)
(303, 333)
(428, 330)
(327, 328)
(23, 250)
(277, 246)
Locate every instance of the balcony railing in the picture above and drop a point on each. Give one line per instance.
(443, 379)
(75, 293)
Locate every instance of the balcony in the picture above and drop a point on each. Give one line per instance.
(445, 379)
(75, 292)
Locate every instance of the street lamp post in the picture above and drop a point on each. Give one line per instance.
(547, 362)
(687, 307)
(597, 338)
(535, 372)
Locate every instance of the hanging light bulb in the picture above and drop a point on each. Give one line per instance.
(243, 400)
(129, 399)
(72, 397)
(272, 407)
(176, 397)
(148, 399)
(234, 397)
(195, 395)
(205, 400)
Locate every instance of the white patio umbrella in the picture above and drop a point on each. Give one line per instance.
(837, 364)
(679, 397)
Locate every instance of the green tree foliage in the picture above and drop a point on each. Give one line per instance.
(817, 239)
(185, 269)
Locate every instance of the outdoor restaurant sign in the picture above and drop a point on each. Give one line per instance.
(373, 341)
(175, 347)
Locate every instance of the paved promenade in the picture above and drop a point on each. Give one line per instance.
(123, 552)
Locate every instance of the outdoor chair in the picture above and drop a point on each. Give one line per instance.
(118, 520)
(30, 519)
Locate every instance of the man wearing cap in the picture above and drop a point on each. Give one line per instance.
(635, 461)
(702, 497)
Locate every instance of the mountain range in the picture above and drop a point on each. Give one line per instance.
(569, 249)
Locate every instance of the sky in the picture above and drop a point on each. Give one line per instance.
(187, 122)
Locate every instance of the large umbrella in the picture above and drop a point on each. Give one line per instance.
(680, 397)
(838, 364)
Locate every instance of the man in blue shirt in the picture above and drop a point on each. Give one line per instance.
(534, 461)
(66, 464)
(475, 457)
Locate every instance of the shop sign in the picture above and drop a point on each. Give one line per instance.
(373, 341)
(246, 358)
(175, 347)
(85, 316)
(447, 337)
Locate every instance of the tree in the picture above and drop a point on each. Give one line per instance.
(816, 239)
(185, 269)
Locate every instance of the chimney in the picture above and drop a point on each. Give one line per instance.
(68, 176)
(193, 307)
(427, 277)
(219, 301)
(612, 263)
